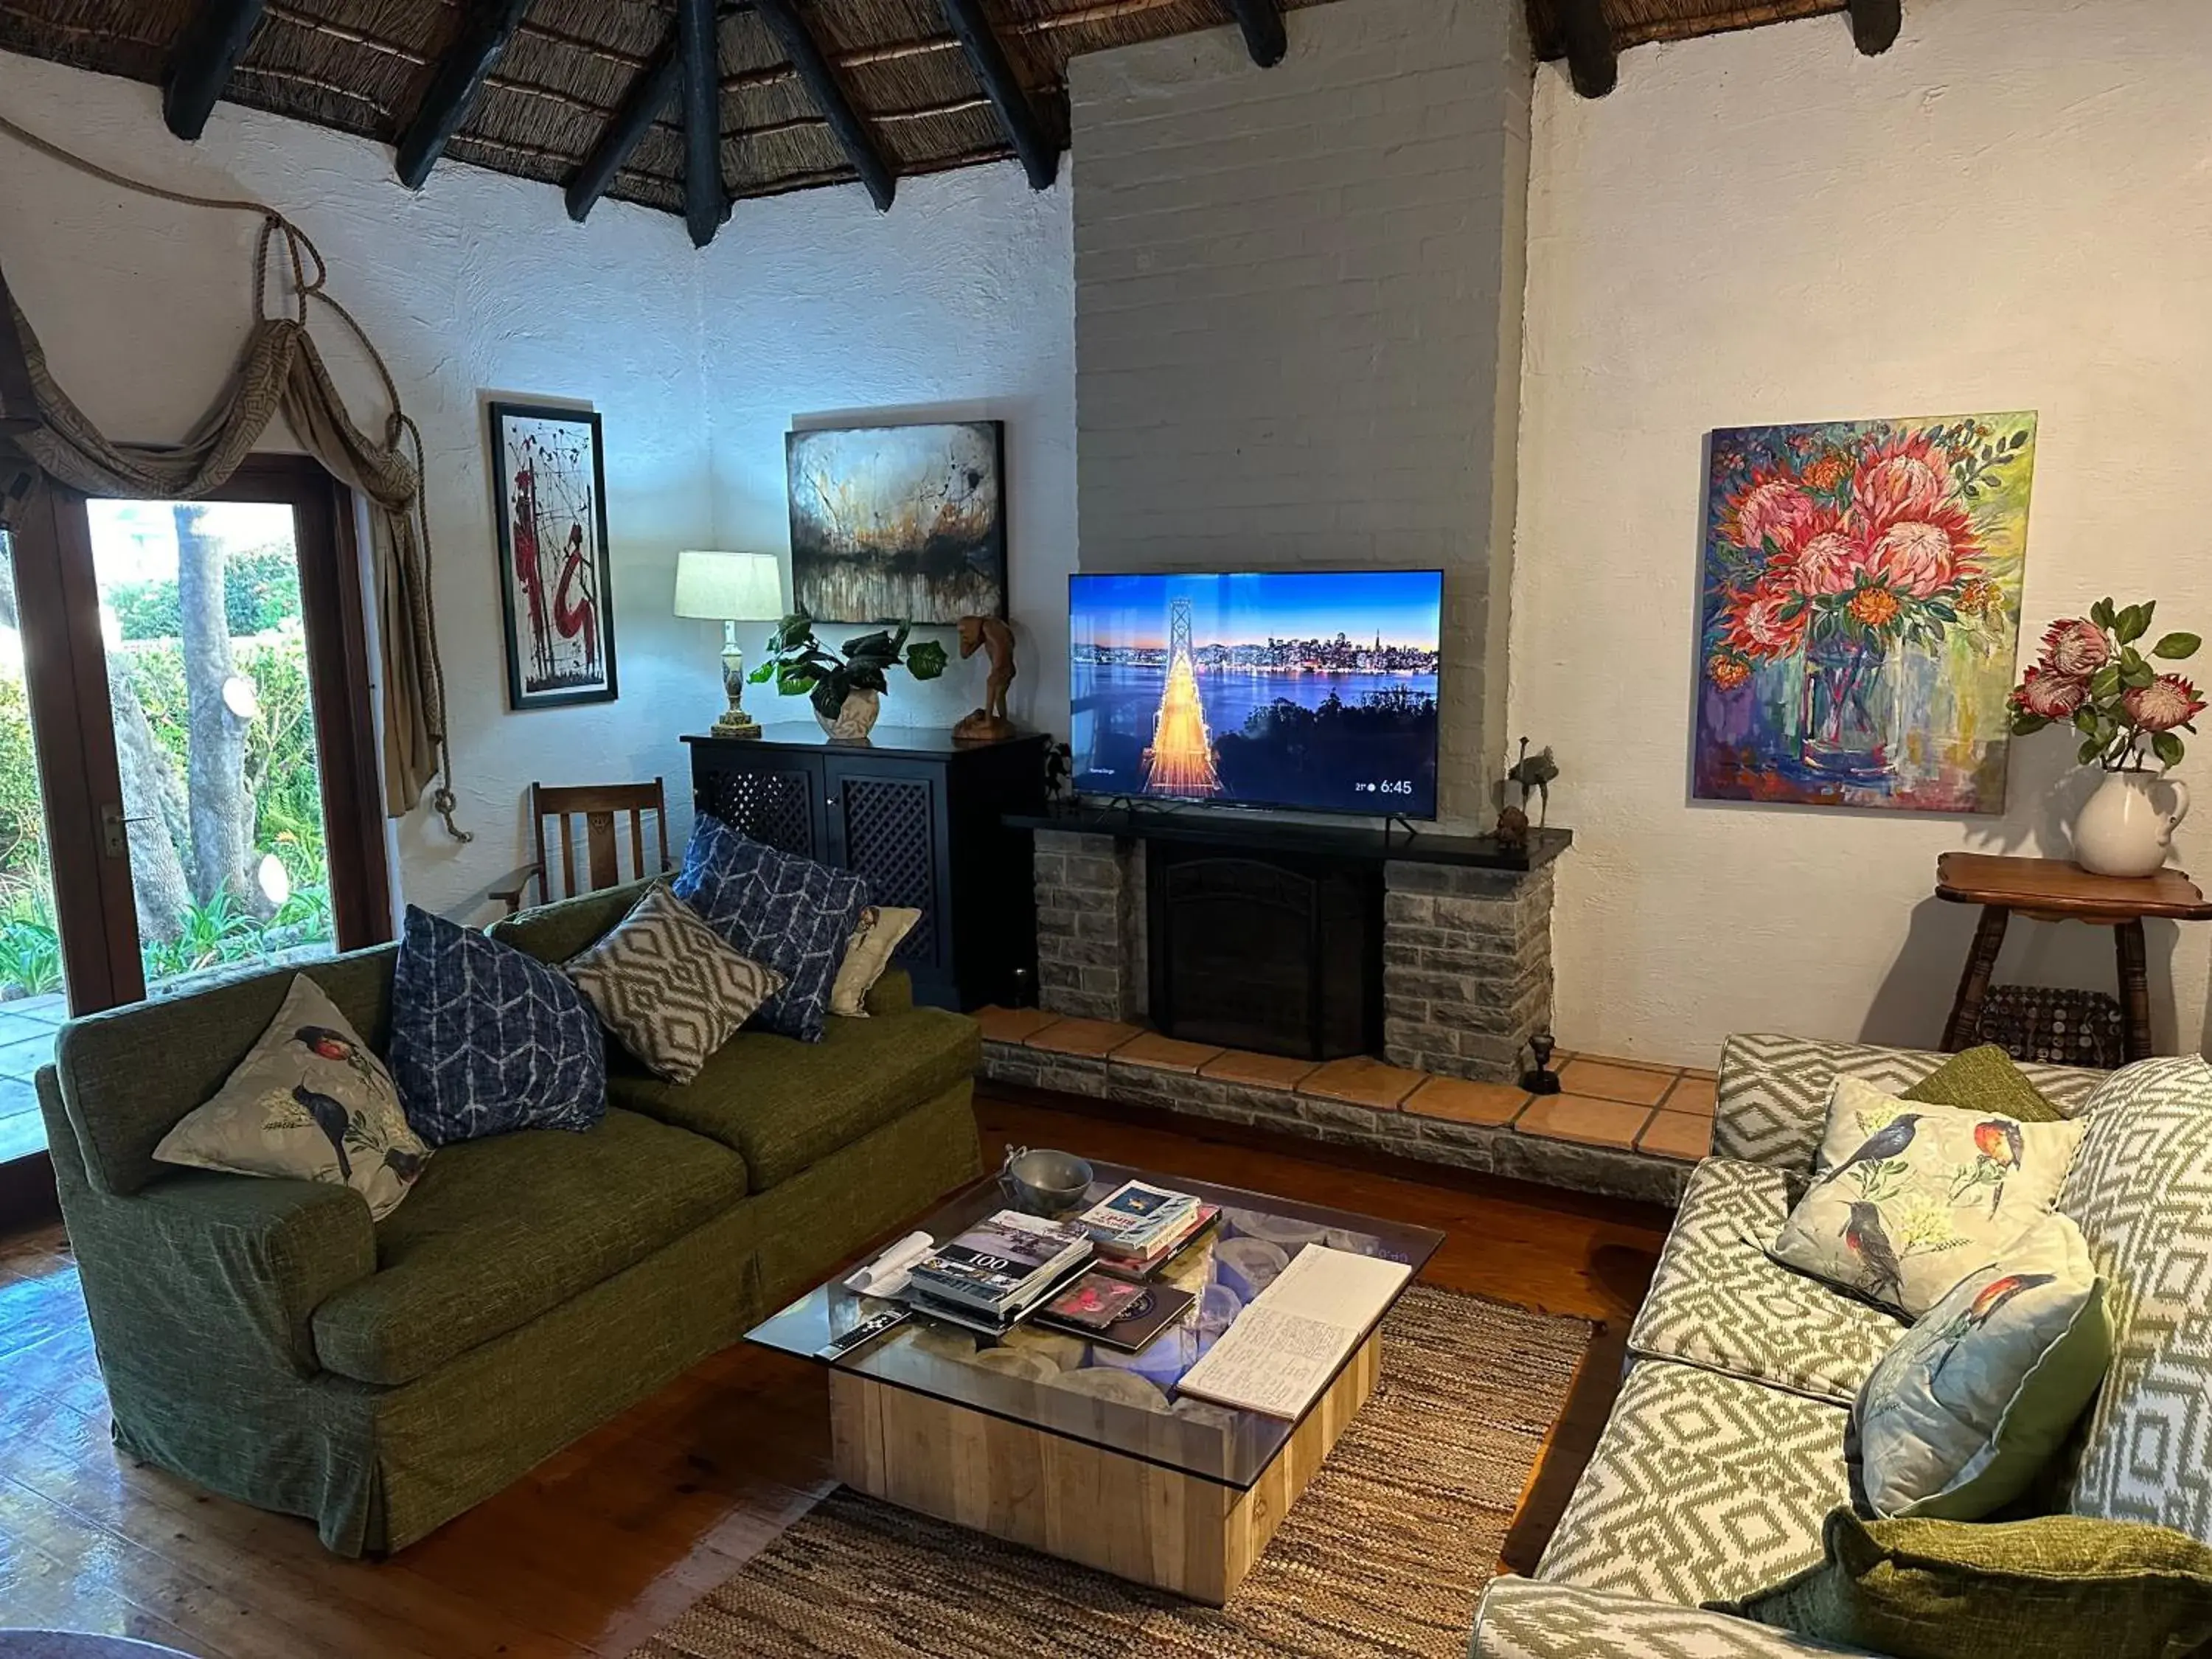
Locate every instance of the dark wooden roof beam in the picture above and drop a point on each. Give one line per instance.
(649, 93)
(1875, 24)
(806, 54)
(1593, 62)
(698, 50)
(486, 30)
(207, 51)
(1016, 119)
(1262, 23)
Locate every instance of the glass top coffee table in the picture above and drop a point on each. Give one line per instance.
(1072, 1448)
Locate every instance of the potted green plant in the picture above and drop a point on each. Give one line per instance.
(846, 685)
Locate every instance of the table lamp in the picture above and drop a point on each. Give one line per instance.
(730, 588)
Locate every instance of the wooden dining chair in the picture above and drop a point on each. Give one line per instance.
(598, 804)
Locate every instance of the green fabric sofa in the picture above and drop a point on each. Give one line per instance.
(266, 1340)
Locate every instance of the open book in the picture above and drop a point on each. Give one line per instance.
(1284, 1349)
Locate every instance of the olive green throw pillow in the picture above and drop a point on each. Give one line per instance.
(2061, 1587)
(1986, 1080)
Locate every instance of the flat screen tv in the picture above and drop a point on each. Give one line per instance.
(1315, 691)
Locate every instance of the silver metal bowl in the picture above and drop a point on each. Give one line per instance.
(1045, 1182)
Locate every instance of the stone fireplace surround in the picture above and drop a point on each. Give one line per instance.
(1466, 981)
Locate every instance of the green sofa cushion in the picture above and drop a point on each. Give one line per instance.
(786, 1105)
(2059, 1587)
(129, 1076)
(554, 932)
(1985, 1079)
(500, 1230)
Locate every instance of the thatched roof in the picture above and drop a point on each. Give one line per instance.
(561, 76)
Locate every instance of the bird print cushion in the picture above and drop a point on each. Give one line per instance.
(309, 1101)
(1960, 1416)
(665, 983)
(883, 929)
(1905, 1200)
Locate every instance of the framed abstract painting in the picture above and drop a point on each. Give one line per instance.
(1860, 611)
(555, 587)
(898, 523)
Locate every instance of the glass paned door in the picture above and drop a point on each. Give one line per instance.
(32, 1002)
(214, 720)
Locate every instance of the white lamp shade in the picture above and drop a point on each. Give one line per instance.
(729, 587)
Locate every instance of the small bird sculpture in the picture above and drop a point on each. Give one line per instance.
(1865, 1237)
(1978, 1312)
(333, 1120)
(1888, 1141)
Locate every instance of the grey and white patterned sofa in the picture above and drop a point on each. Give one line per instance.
(1725, 1451)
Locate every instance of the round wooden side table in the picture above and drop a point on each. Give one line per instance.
(2057, 889)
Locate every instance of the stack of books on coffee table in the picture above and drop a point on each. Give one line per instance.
(995, 1273)
(1139, 1225)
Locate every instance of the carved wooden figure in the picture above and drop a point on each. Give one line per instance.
(996, 641)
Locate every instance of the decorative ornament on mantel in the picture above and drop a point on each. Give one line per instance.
(846, 685)
(1534, 775)
(988, 724)
(2092, 678)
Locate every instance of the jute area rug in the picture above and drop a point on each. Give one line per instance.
(1386, 1554)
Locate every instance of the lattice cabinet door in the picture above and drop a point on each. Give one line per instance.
(887, 825)
(778, 801)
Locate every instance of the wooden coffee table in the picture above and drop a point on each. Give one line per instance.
(1078, 1451)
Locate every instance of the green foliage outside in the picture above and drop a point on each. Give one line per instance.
(280, 777)
(260, 594)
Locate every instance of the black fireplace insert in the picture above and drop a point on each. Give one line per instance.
(1278, 953)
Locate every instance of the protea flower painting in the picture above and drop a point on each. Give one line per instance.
(1862, 610)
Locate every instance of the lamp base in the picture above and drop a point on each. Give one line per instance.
(736, 724)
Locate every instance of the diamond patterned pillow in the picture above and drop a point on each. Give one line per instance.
(790, 913)
(665, 983)
(310, 1103)
(486, 1039)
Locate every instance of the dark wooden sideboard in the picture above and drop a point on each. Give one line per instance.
(917, 815)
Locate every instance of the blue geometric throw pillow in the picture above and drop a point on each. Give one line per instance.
(486, 1039)
(791, 913)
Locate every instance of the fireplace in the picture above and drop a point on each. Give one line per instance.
(1312, 941)
(1265, 951)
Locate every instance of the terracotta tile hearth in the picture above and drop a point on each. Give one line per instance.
(1362, 1081)
(1620, 1126)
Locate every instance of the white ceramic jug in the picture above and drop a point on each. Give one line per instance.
(2122, 831)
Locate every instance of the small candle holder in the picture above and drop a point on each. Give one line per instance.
(1540, 1079)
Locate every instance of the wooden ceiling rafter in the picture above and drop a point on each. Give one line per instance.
(458, 81)
(1593, 59)
(805, 56)
(1265, 37)
(206, 54)
(698, 52)
(1018, 119)
(653, 91)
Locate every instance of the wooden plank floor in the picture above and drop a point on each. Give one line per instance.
(596, 1549)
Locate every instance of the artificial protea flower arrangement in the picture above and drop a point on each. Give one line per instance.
(2092, 677)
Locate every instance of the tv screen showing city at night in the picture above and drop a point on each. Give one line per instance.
(1310, 689)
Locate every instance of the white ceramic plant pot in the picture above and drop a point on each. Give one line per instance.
(856, 719)
(2123, 831)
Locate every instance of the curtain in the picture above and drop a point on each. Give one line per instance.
(43, 435)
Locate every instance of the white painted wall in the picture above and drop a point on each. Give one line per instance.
(805, 306)
(1298, 315)
(2010, 209)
